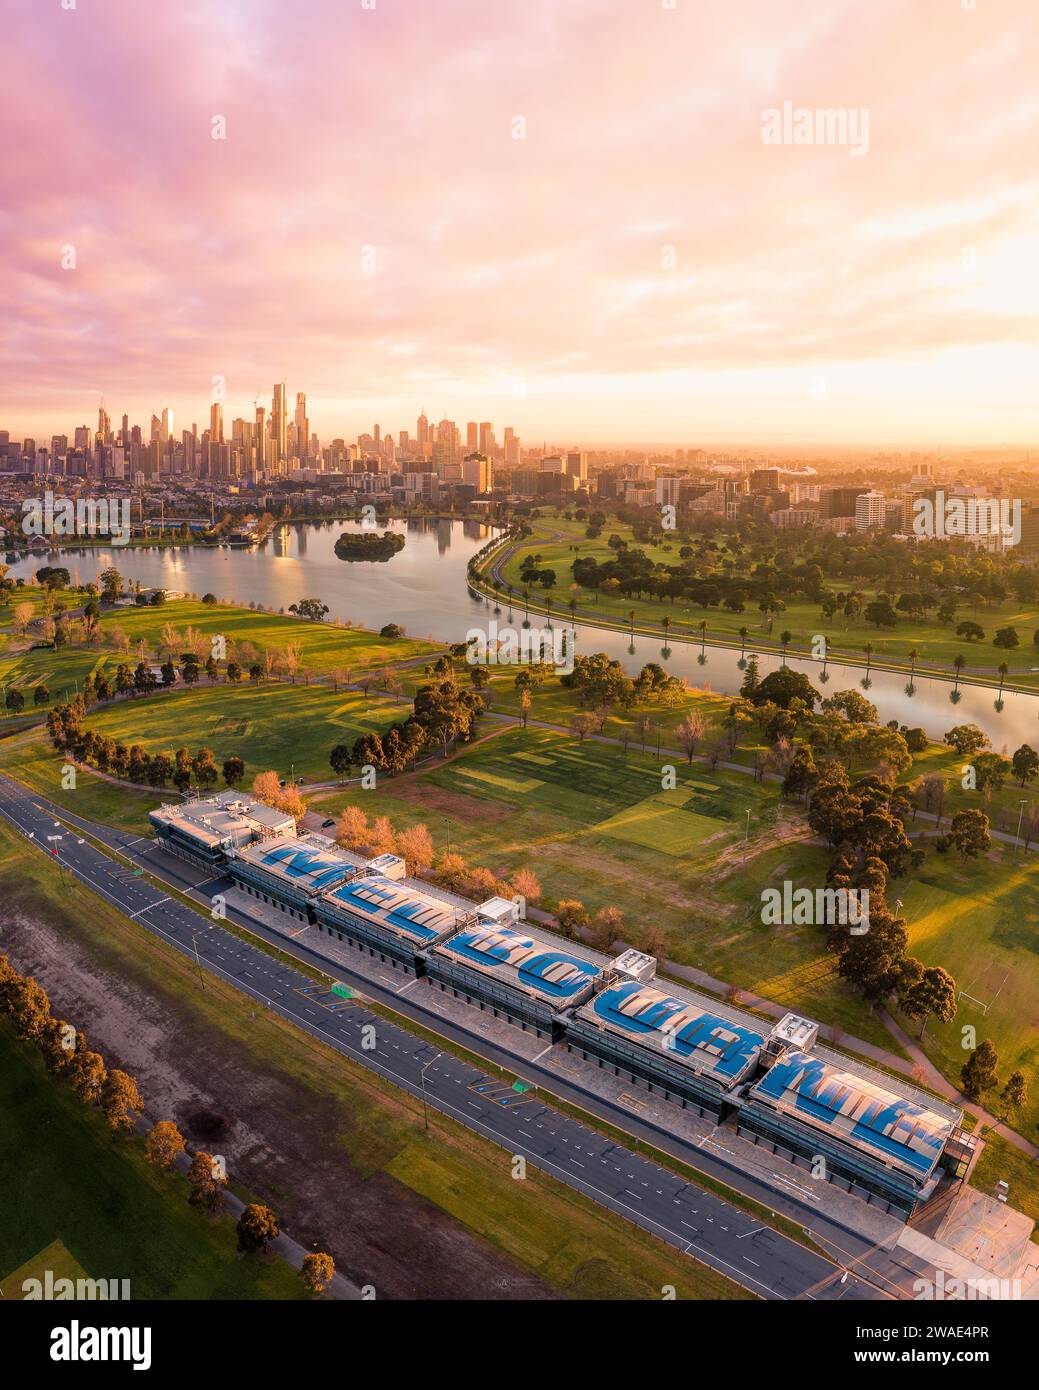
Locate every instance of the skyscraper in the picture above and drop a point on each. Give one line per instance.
(472, 437)
(279, 423)
(302, 425)
(216, 423)
(166, 426)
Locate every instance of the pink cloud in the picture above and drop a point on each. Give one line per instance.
(536, 260)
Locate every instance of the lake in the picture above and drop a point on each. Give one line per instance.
(423, 587)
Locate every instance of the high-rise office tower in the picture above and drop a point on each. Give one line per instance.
(486, 438)
(156, 427)
(302, 425)
(166, 425)
(279, 423)
(577, 465)
(472, 437)
(424, 435)
(216, 423)
(124, 435)
(104, 424)
(260, 437)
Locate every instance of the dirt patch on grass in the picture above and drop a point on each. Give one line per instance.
(456, 804)
(282, 1139)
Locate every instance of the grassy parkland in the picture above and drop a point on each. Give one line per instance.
(557, 539)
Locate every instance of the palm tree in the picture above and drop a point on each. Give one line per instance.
(666, 621)
(631, 622)
(508, 590)
(868, 649)
(744, 634)
(784, 638)
(959, 661)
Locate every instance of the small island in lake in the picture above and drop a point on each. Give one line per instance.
(366, 545)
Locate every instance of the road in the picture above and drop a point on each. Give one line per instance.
(693, 1220)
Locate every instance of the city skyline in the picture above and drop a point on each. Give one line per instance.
(641, 265)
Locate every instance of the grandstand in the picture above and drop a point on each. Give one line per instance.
(866, 1133)
(678, 1044)
(514, 975)
(291, 873)
(389, 918)
(844, 1122)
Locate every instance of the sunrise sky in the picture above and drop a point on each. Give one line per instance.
(815, 295)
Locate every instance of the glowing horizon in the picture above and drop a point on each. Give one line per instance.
(642, 266)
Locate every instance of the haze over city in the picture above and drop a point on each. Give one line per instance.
(565, 217)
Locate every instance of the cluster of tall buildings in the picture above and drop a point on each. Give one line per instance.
(273, 442)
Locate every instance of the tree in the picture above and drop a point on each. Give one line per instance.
(257, 1226)
(28, 1007)
(1025, 764)
(802, 773)
(690, 732)
(120, 1096)
(978, 1073)
(234, 771)
(782, 687)
(606, 928)
(317, 1272)
(339, 759)
(972, 631)
(311, 608)
(582, 725)
(207, 1182)
(415, 846)
(526, 884)
(163, 1143)
(86, 1074)
(572, 916)
(967, 739)
(111, 584)
(933, 994)
(1006, 637)
(23, 615)
(205, 768)
(1015, 1092)
(969, 834)
(182, 769)
(14, 700)
(880, 613)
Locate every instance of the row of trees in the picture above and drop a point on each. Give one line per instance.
(70, 736)
(63, 1047)
(442, 714)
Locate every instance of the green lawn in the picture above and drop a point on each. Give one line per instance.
(323, 647)
(981, 922)
(277, 726)
(937, 644)
(71, 1185)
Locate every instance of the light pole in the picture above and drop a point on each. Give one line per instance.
(422, 1078)
(1017, 837)
(198, 962)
